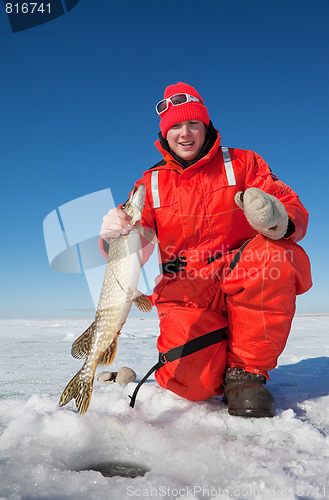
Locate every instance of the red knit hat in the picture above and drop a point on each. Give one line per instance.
(192, 110)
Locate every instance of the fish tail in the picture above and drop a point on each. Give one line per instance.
(79, 389)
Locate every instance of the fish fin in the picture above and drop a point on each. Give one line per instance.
(81, 346)
(143, 303)
(80, 390)
(108, 356)
(150, 235)
(147, 233)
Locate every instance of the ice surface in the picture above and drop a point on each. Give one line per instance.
(190, 450)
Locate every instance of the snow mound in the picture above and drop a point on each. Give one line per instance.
(171, 447)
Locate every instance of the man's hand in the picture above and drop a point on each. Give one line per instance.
(115, 223)
(264, 212)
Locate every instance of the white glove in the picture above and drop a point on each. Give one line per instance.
(115, 224)
(264, 212)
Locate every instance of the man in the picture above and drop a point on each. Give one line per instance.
(231, 268)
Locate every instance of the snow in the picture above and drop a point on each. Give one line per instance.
(185, 449)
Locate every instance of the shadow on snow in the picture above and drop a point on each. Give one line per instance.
(293, 384)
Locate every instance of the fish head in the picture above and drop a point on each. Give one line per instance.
(134, 206)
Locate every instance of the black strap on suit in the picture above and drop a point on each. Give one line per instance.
(181, 351)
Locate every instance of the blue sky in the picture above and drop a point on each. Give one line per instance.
(77, 116)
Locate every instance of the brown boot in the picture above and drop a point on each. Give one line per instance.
(246, 394)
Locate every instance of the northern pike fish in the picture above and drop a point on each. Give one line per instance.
(98, 343)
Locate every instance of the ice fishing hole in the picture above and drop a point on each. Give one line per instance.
(112, 469)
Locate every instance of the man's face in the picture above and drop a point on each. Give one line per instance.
(186, 139)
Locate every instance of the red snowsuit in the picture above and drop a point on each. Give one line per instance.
(251, 292)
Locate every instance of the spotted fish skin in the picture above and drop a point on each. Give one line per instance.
(98, 343)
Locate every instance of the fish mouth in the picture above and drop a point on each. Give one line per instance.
(134, 206)
(136, 202)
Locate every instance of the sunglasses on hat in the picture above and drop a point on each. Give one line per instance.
(175, 100)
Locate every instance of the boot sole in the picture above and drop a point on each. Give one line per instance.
(251, 412)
